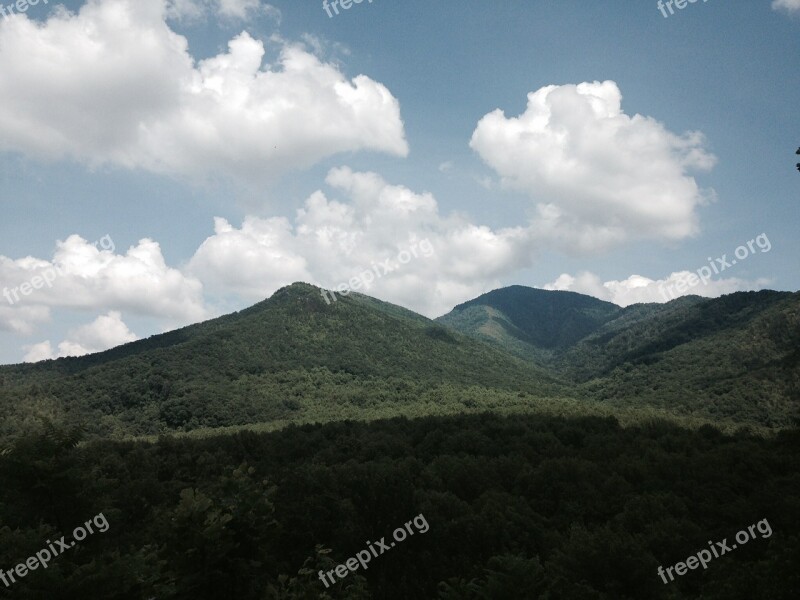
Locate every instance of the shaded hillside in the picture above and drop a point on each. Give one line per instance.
(262, 363)
(530, 322)
(730, 357)
(738, 355)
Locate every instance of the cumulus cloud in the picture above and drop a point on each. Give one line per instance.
(599, 177)
(113, 84)
(252, 261)
(106, 331)
(330, 241)
(88, 276)
(36, 352)
(638, 289)
(339, 234)
(790, 6)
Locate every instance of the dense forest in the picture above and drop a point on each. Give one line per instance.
(735, 357)
(518, 507)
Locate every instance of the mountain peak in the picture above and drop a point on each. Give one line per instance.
(531, 317)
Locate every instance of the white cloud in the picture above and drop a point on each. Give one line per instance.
(790, 6)
(330, 241)
(638, 289)
(36, 352)
(252, 261)
(86, 276)
(21, 319)
(598, 176)
(115, 85)
(106, 331)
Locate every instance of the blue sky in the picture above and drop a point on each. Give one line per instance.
(164, 162)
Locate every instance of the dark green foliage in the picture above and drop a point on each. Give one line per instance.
(521, 507)
(257, 365)
(735, 357)
(296, 359)
(541, 319)
(213, 544)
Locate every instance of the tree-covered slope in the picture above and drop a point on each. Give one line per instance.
(731, 357)
(738, 355)
(260, 365)
(294, 358)
(530, 322)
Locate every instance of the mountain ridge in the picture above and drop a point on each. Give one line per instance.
(294, 357)
(733, 355)
(291, 352)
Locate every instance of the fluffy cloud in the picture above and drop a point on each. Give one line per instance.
(115, 85)
(252, 261)
(599, 177)
(638, 289)
(88, 276)
(434, 261)
(105, 332)
(790, 6)
(330, 242)
(36, 352)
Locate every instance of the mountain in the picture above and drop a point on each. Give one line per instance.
(549, 489)
(530, 322)
(291, 357)
(735, 356)
(564, 475)
(296, 358)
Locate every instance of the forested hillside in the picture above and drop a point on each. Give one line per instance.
(529, 322)
(570, 456)
(736, 357)
(291, 358)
